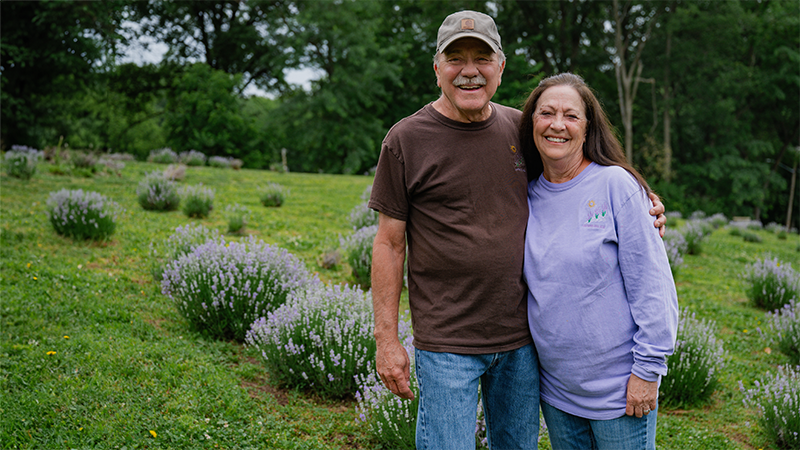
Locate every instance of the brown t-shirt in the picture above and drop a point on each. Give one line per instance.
(461, 189)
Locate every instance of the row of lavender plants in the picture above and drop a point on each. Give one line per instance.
(193, 158)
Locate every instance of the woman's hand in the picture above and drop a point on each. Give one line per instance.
(642, 396)
(658, 211)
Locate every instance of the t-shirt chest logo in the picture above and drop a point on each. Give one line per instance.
(518, 160)
(595, 214)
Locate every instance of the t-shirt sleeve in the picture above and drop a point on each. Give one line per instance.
(649, 286)
(389, 192)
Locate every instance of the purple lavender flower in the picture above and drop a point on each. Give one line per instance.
(82, 215)
(772, 283)
(777, 398)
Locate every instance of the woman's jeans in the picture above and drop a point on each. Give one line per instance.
(448, 399)
(568, 432)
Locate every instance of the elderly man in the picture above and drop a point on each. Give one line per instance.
(452, 184)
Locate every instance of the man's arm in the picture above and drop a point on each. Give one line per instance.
(658, 211)
(388, 256)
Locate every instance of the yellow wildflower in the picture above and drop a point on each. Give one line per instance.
(66, 337)
(51, 353)
(153, 433)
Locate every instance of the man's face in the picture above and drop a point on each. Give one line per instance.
(468, 72)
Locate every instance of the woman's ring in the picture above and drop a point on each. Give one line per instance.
(646, 410)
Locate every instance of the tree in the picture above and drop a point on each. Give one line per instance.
(51, 52)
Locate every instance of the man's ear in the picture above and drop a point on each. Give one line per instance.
(500, 76)
(436, 70)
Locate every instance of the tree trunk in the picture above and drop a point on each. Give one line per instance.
(666, 173)
(791, 196)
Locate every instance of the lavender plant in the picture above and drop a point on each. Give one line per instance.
(391, 421)
(181, 242)
(717, 220)
(221, 288)
(219, 162)
(363, 216)
(771, 283)
(193, 158)
(237, 217)
(750, 237)
(82, 215)
(236, 164)
(675, 244)
(784, 325)
(357, 249)
(773, 227)
(175, 172)
(157, 193)
(691, 369)
(163, 156)
(273, 194)
(197, 201)
(320, 339)
(694, 231)
(778, 400)
(20, 161)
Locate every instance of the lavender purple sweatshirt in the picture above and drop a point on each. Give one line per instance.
(601, 302)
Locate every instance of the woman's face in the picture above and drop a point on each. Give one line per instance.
(559, 125)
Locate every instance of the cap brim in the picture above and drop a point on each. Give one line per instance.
(463, 35)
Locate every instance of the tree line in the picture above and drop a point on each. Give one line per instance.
(704, 94)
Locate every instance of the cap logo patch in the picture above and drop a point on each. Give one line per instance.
(467, 24)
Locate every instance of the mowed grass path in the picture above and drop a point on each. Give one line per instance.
(93, 356)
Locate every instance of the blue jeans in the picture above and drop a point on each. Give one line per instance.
(568, 432)
(448, 399)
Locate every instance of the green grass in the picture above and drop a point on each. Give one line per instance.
(125, 364)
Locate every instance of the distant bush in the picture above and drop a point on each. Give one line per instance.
(675, 244)
(673, 215)
(784, 327)
(692, 368)
(735, 231)
(193, 158)
(237, 217)
(717, 220)
(755, 226)
(221, 288)
(20, 162)
(771, 283)
(163, 156)
(219, 162)
(694, 231)
(197, 201)
(273, 194)
(236, 164)
(357, 249)
(778, 400)
(320, 339)
(697, 215)
(83, 160)
(181, 242)
(751, 237)
(773, 227)
(157, 193)
(175, 172)
(82, 215)
(782, 235)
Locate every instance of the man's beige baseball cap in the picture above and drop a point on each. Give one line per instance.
(468, 24)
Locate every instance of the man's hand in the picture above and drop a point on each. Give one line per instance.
(658, 211)
(642, 396)
(394, 368)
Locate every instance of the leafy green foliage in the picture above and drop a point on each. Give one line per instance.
(21, 162)
(784, 327)
(272, 195)
(357, 248)
(237, 217)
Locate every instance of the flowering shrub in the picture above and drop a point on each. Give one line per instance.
(675, 244)
(20, 161)
(673, 215)
(697, 215)
(773, 227)
(220, 162)
(83, 160)
(175, 172)
(717, 220)
(222, 288)
(157, 193)
(82, 215)
(772, 283)
(694, 231)
(236, 164)
(358, 253)
(785, 326)
(778, 400)
(691, 368)
(320, 339)
(198, 201)
(750, 237)
(237, 217)
(735, 231)
(181, 242)
(363, 216)
(392, 421)
(193, 158)
(273, 194)
(163, 156)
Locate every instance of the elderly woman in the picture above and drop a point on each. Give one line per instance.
(602, 306)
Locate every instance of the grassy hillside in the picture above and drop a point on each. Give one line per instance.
(93, 356)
